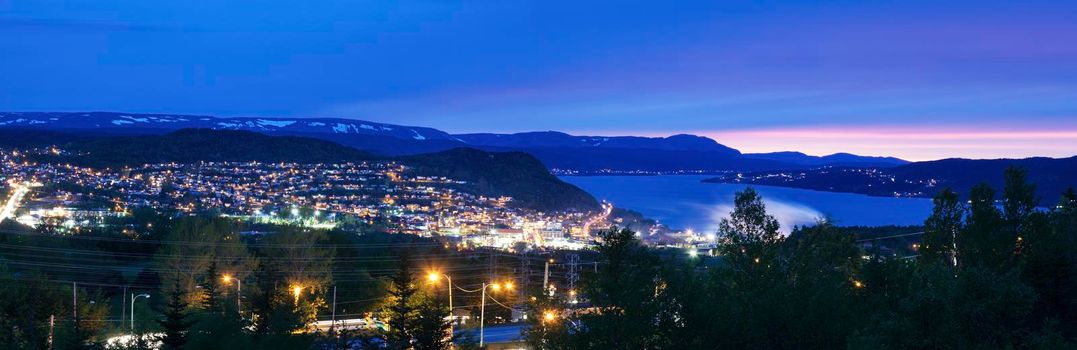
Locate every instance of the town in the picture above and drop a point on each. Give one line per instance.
(352, 196)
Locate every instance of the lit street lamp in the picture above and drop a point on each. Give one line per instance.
(482, 312)
(133, 298)
(239, 291)
(297, 291)
(548, 316)
(433, 277)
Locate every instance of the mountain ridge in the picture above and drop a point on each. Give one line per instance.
(558, 150)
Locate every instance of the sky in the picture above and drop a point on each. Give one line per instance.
(917, 79)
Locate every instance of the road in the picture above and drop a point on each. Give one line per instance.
(18, 191)
(498, 334)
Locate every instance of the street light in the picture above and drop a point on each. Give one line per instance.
(133, 298)
(297, 291)
(482, 312)
(433, 277)
(549, 316)
(239, 291)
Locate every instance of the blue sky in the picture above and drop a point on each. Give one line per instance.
(917, 79)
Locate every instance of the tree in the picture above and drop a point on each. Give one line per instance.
(175, 323)
(401, 310)
(432, 325)
(941, 230)
(750, 235)
(980, 244)
(1051, 266)
(823, 286)
(628, 297)
(212, 290)
(1019, 200)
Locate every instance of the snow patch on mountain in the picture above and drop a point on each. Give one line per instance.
(418, 136)
(275, 123)
(342, 128)
(122, 122)
(134, 119)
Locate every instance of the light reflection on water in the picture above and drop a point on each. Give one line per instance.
(685, 202)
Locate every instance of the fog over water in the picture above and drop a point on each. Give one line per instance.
(683, 201)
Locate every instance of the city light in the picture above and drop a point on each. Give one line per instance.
(549, 316)
(433, 277)
(858, 284)
(692, 252)
(227, 278)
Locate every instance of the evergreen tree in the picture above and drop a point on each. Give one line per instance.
(432, 325)
(175, 323)
(941, 230)
(401, 310)
(212, 290)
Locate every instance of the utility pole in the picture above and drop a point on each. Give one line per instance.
(525, 271)
(482, 317)
(334, 324)
(573, 274)
(75, 300)
(123, 311)
(52, 326)
(493, 265)
(546, 278)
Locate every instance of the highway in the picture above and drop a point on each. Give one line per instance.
(18, 191)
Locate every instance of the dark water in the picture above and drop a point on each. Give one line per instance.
(684, 202)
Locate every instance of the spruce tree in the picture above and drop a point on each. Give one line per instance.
(175, 323)
(212, 290)
(401, 310)
(432, 325)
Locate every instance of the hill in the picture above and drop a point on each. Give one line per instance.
(1051, 176)
(514, 174)
(553, 139)
(836, 159)
(194, 145)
